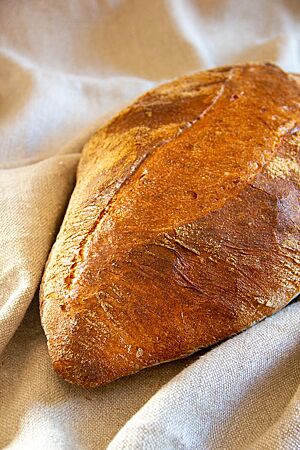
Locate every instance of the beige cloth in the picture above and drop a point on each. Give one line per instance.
(65, 66)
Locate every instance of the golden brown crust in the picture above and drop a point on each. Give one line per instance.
(183, 228)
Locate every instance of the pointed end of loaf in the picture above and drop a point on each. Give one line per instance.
(77, 348)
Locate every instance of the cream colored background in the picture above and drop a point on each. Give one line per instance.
(65, 66)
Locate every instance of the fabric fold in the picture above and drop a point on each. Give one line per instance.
(32, 200)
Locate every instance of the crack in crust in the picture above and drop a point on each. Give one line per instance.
(78, 258)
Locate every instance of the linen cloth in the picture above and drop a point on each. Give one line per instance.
(65, 67)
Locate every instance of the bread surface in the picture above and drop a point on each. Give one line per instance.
(183, 228)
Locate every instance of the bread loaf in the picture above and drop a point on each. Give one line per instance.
(183, 228)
